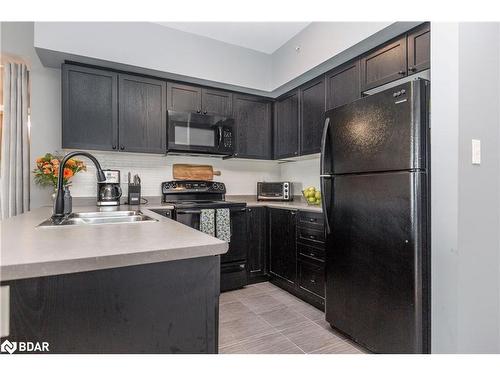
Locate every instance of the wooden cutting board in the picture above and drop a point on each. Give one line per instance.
(194, 172)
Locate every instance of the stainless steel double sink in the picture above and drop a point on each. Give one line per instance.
(96, 218)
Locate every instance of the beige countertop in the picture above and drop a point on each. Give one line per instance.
(31, 251)
(251, 200)
(298, 202)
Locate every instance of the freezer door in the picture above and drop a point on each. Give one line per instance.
(377, 261)
(382, 132)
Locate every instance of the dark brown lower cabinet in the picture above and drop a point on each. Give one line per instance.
(167, 307)
(296, 264)
(311, 276)
(282, 246)
(257, 244)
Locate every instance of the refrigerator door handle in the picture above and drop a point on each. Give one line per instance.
(324, 175)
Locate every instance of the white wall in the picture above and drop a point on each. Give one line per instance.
(17, 40)
(465, 88)
(318, 42)
(240, 176)
(302, 173)
(159, 48)
(444, 186)
(478, 189)
(174, 54)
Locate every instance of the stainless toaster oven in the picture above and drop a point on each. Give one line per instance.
(274, 191)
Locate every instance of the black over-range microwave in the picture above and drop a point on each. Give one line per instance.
(190, 132)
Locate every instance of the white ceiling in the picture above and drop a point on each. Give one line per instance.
(265, 37)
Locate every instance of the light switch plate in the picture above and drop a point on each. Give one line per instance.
(4, 312)
(476, 151)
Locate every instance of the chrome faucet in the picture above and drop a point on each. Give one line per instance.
(59, 205)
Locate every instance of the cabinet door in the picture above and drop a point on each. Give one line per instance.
(312, 115)
(89, 108)
(384, 65)
(419, 49)
(217, 102)
(238, 244)
(257, 241)
(286, 131)
(282, 245)
(142, 114)
(311, 276)
(252, 117)
(184, 98)
(342, 85)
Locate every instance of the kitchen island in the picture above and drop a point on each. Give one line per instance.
(149, 287)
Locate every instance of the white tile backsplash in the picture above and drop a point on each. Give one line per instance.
(302, 173)
(240, 176)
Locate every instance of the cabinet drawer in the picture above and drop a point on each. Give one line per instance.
(312, 276)
(317, 253)
(311, 235)
(309, 218)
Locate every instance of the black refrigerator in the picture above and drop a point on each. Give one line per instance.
(375, 177)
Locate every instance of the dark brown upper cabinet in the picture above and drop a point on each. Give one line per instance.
(419, 49)
(253, 127)
(184, 98)
(384, 65)
(216, 102)
(142, 114)
(343, 85)
(89, 108)
(312, 113)
(286, 129)
(187, 98)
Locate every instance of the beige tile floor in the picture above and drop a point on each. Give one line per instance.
(264, 319)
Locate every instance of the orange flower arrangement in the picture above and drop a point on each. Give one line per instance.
(47, 170)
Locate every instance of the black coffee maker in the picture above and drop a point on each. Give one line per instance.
(109, 191)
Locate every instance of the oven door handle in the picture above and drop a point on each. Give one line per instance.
(187, 212)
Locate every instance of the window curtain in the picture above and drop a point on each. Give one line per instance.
(14, 163)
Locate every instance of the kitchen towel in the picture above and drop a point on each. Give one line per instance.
(223, 224)
(207, 221)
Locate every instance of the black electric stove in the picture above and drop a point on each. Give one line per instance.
(188, 199)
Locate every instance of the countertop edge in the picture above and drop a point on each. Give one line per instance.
(33, 270)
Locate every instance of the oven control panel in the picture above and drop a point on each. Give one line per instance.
(173, 187)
